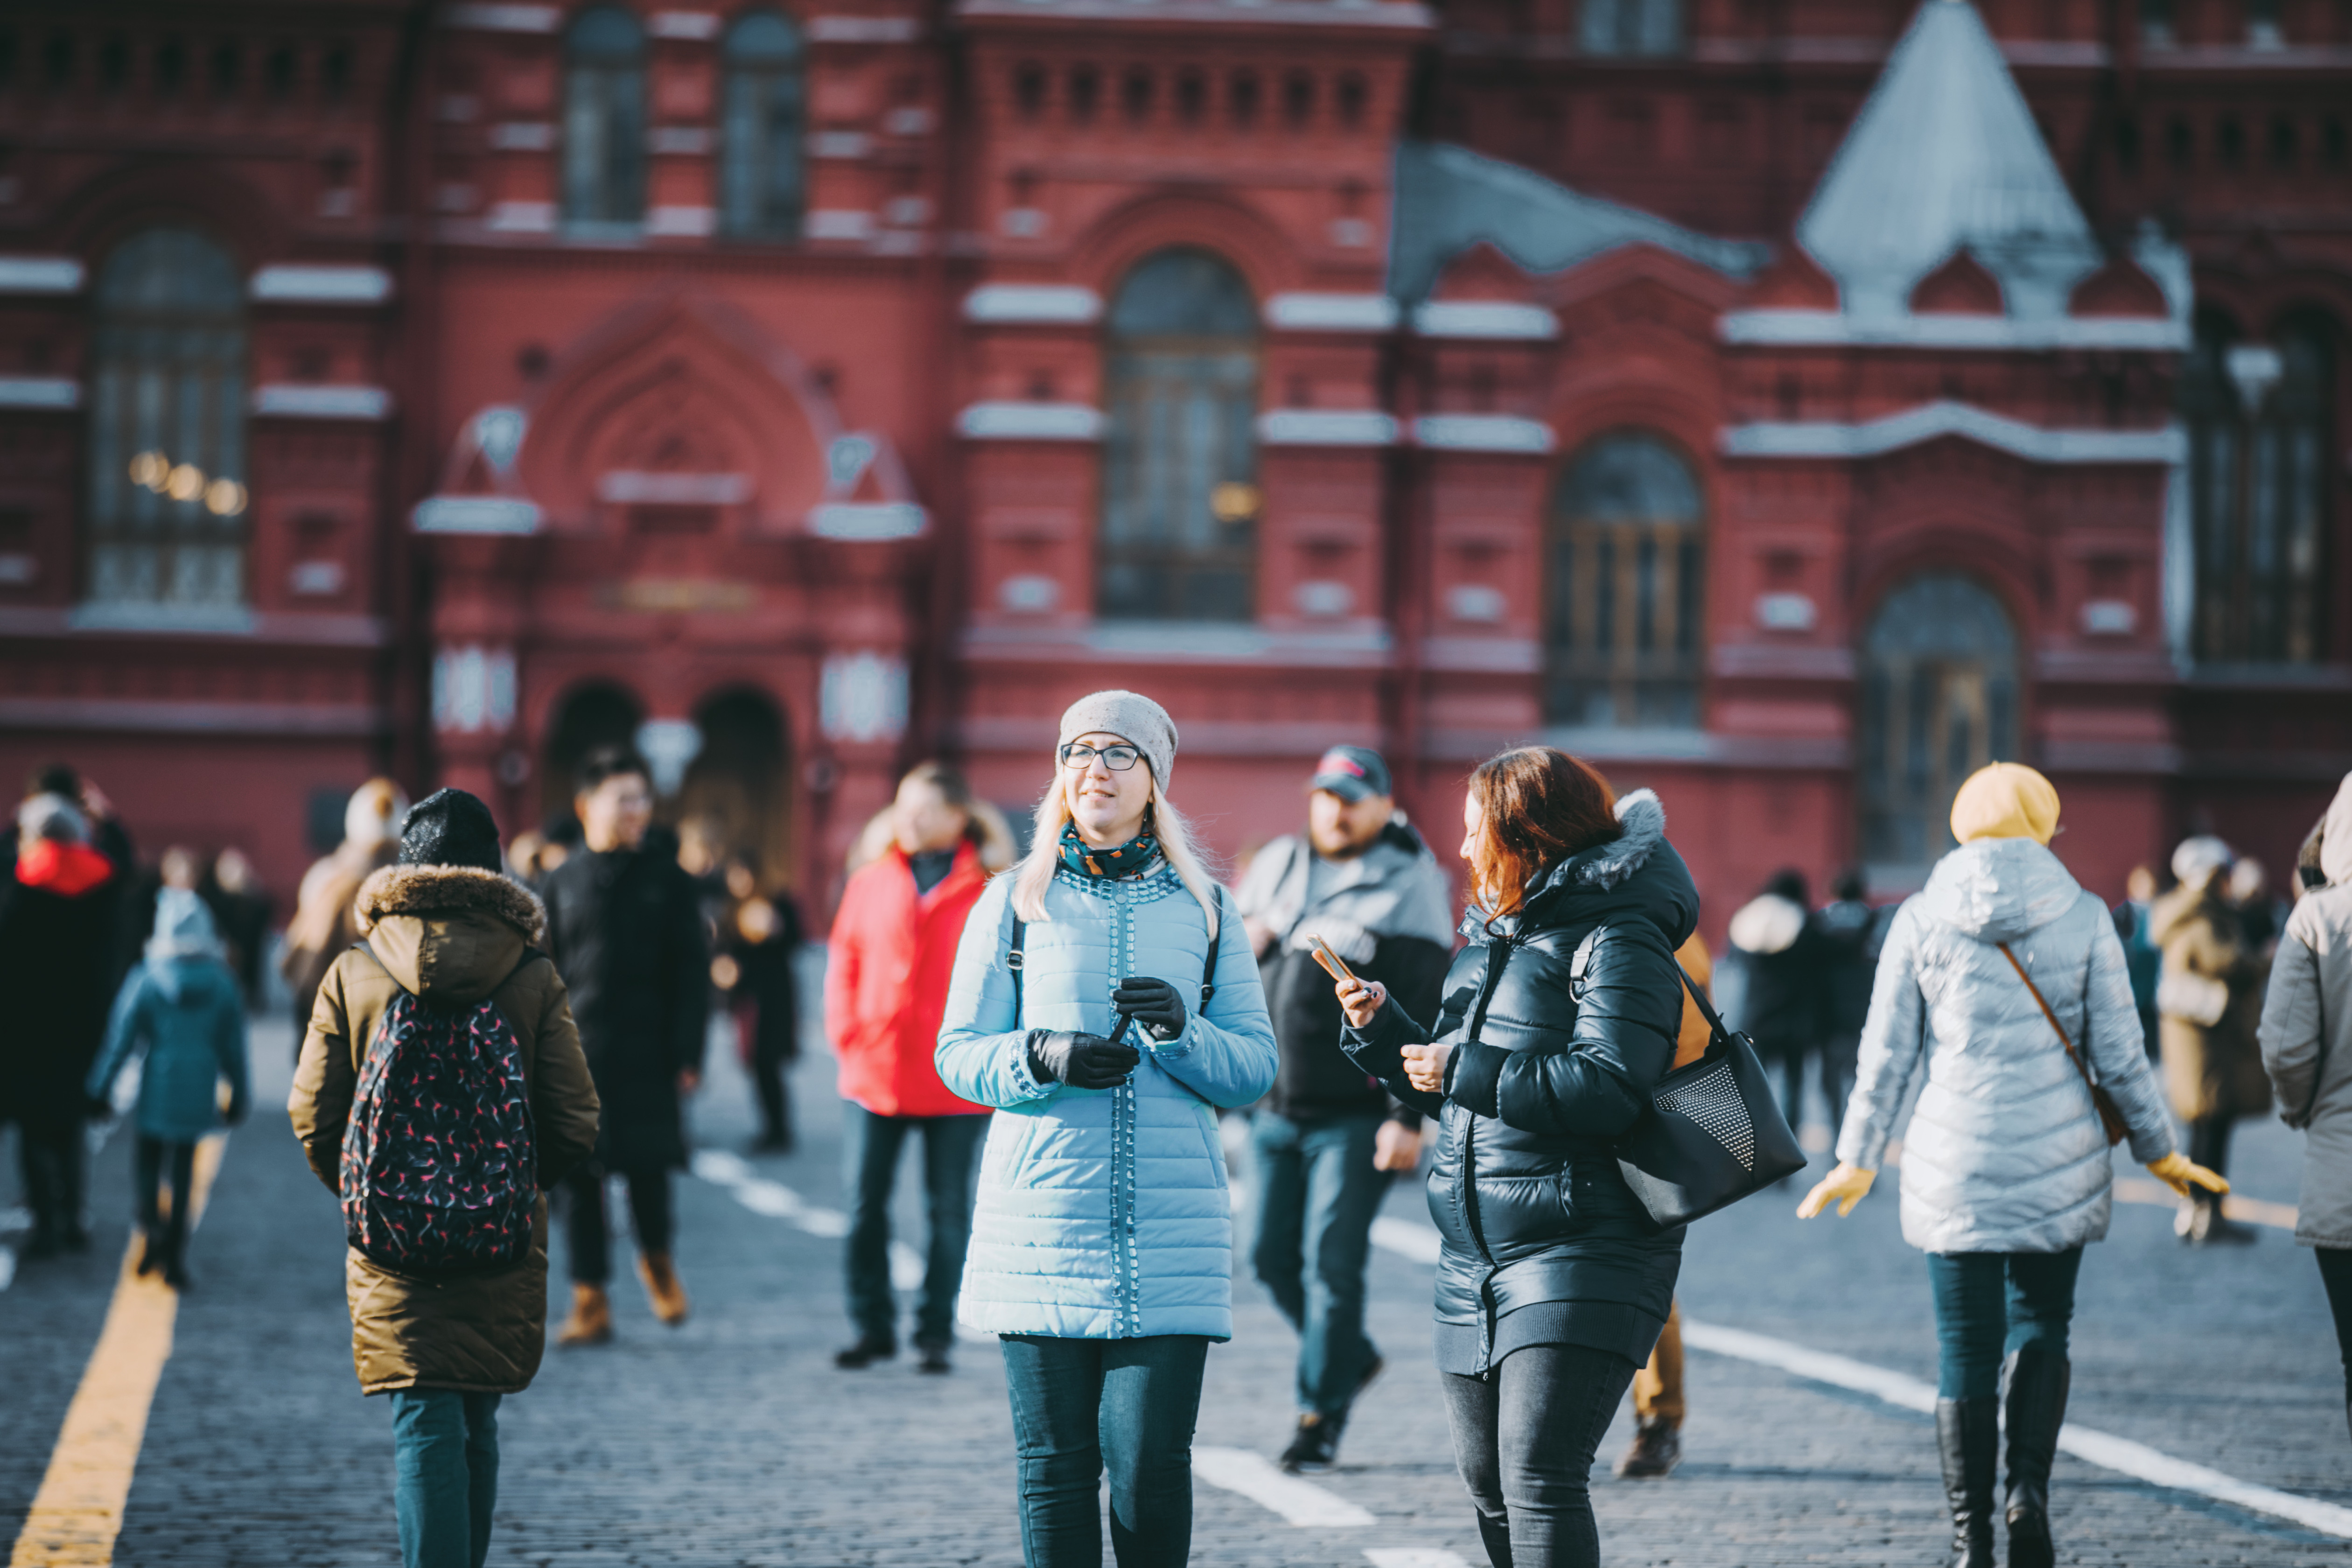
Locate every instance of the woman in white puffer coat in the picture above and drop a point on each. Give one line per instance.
(2005, 1166)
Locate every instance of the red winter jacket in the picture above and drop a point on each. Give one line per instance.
(886, 982)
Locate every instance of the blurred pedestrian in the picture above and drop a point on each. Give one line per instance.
(624, 928)
(888, 961)
(2005, 979)
(2261, 916)
(1781, 978)
(182, 1013)
(448, 1004)
(1102, 1249)
(240, 909)
(756, 972)
(1361, 880)
(2211, 999)
(325, 926)
(2141, 955)
(57, 946)
(1553, 1284)
(2306, 1041)
(1845, 934)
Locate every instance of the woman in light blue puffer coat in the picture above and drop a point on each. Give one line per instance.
(1102, 1240)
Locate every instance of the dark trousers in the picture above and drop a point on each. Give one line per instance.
(2209, 1146)
(2336, 1273)
(49, 1157)
(870, 1149)
(766, 1051)
(148, 1163)
(584, 1225)
(1082, 1406)
(1524, 1437)
(1317, 1194)
(444, 1458)
(1990, 1304)
(1838, 1056)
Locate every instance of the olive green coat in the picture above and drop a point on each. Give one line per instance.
(2212, 1070)
(451, 936)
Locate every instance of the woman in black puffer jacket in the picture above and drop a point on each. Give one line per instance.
(1557, 1021)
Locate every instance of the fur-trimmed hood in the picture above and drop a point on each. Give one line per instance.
(1637, 872)
(450, 934)
(449, 891)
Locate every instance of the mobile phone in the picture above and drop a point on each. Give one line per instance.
(1332, 963)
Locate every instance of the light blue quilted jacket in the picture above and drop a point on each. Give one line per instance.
(1103, 1213)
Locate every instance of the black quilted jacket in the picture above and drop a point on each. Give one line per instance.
(1544, 1243)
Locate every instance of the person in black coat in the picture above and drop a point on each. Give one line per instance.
(759, 943)
(1776, 947)
(1846, 934)
(625, 928)
(1558, 1021)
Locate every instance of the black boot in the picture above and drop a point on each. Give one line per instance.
(1967, 1440)
(2034, 1390)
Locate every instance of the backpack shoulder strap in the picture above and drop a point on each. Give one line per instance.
(1014, 958)
(1216, 940)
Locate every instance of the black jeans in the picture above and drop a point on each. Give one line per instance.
(584, 1225)
(1080, 1407)
(148, 1163)
(2336, 1273)
(870, 1149)
(2209, 1146)
(49, 1156)
(767, 1050)
(1990, 1303)
(1524, 1437)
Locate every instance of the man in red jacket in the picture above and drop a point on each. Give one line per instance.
(886, 988)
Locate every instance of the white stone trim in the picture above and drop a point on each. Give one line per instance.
(475, 514)
(1304, 312)
(299, 400)
(626, 486)
(39, 392)
(1500, 319)
(682, 223)
(1833, 329)
(680, 141)
(1327, 427)
(869, 520)
(506, 18)
(1483, 433)
(522, 136)
(320, 285)
(523, 218)
(694, 26)
(1930, 421)
(862, 29)
(1055, 304)
(840, 144)
(838, 223)
(1006, 421)
(40, 274)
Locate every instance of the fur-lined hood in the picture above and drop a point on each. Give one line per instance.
(449, 890)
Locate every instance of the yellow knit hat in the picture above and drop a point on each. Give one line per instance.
(2005, 800)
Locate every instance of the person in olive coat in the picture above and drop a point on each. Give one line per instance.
(1558, 1021)
(625, 928)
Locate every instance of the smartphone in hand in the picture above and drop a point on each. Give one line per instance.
(1332, 963)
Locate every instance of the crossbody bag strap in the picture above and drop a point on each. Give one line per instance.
(1583, 960)
(2058, 1028)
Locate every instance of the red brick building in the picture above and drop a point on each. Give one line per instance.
(1788, 408)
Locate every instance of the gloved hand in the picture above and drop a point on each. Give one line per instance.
(1080, 1060)
(1845, 1187)
(2178, 1171)
(1154, 1004)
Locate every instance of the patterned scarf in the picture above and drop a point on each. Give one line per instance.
(1108, 865)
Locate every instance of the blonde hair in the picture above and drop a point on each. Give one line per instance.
(1035, 872)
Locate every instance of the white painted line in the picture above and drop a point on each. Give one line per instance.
(1413, 1557)
(1258, 1478)
(8, 1266)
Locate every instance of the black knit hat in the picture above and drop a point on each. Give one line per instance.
(450, 828)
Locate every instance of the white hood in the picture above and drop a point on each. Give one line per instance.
(1997, 889)
(1768, 923)
(2336, 840)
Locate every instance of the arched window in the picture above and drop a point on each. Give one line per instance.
(605, 119)
(763, 185)
(1939, 701)
(167, 497)
(1180, 473)
(1631, 27)
(2258, 420)
(1628, 588)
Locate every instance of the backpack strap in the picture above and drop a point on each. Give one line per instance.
(1013, 961)
(1216, 940)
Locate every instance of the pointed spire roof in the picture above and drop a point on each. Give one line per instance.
(1943, 155)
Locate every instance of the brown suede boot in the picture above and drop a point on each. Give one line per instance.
(591, 1322)
(662, 1288)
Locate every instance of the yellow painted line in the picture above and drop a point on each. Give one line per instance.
(2252, 1211)
(77, 1512)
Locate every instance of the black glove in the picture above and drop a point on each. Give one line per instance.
(1154, 1004)
(99, 1107)
(1082, 1061)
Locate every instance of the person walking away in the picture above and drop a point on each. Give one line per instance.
(240, 907)
(2211, 999)
(447, 1003)
(624, 930)
(1773, 938)
(2306, 1041)
(1844, 930)
(324, 925)
(1328, 1138)
(1553, 1283)
(2005, 979)
(183, 1012)
(58, 925)
(759, 947)
(888, 966)
(2144, 959)
(1106, 1002)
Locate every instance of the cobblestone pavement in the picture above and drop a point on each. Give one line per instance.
(733, 1440)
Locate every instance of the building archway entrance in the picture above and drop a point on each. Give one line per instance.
(1939, 701)
(599, 713)
(738, 798)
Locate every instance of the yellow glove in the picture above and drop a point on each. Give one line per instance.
(2178, 1171)
(1845, 1187)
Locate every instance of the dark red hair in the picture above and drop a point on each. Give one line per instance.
(1541, 806)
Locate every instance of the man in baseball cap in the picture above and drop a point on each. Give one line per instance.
(1354, 774)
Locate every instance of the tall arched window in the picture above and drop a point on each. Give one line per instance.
(605, 119)
(1939, 701)
(1631, 27)
(761, 184)
(1180, 474)
(2258, 416)
(1628, 588)
(167, 497)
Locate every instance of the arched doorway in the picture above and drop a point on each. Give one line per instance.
(1939, 701)
(738, 792)
(1624, 633)
(598, 713)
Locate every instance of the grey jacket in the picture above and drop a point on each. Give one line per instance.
(2004, 1152)
(2306, 1035)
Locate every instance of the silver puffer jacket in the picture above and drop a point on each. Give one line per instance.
(2004, 1152)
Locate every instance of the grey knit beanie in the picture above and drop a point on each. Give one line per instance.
(1133, 717)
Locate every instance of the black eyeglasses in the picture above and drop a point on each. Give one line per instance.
(1117, 759)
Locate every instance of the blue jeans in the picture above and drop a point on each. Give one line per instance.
(1989, 1304)
(445, 1451)
(1080, 1407)
(1316, 1196)
(870, 1149)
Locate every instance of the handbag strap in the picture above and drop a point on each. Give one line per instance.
(1717, 1032)
(2060, 1029)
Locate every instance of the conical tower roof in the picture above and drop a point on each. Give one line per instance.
(1945, 155)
